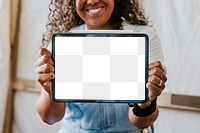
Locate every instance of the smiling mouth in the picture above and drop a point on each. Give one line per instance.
(95, 10)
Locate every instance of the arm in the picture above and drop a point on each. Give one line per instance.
(155, 85)
(142, 122)
(49, 111)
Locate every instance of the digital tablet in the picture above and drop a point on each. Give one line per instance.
(100, 67)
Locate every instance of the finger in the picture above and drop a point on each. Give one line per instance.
(43, 60)
(156, 64)
(44, 51)
(46, 68)
(151, 96)
(154, 80)
(47, 86)
(158, 72)
(159, 88)
(154, 91)
(44, 78)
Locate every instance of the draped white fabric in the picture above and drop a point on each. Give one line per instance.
(178, 25)
(33, 17)
(1, 3)
(4, 57)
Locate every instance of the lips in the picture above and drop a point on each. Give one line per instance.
(95, 10)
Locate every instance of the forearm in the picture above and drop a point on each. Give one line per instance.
(146, 113)
(142, 122)
(49, 111)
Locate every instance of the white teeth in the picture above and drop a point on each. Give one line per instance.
(94, 10)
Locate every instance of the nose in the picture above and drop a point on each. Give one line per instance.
(92, 2)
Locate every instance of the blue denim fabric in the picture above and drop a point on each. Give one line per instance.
(96, 118)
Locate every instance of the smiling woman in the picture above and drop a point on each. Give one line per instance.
(95, 13)
(66, 15)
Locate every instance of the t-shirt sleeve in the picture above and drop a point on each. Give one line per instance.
(155, 49)
(50, 47)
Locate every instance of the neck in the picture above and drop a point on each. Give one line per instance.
(107, 27)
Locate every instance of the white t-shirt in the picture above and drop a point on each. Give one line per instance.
(84, 118)
(155, 49)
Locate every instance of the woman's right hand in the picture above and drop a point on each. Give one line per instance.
(50, 112)
(44, 69)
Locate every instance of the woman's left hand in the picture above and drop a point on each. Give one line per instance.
(156, 82)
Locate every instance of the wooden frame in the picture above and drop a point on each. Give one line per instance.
(178, 101)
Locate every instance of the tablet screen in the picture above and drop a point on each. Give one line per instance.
(100, 67)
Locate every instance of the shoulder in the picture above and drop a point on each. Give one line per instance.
(81, 27)
(49, 47)
(155, 48)
(150, 31)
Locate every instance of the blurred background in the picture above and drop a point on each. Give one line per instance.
(22, 23)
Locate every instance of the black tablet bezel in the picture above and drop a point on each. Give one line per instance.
(103, 35)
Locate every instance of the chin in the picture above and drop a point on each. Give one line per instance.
(99, 26)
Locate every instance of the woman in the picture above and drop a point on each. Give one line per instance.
(68, 15)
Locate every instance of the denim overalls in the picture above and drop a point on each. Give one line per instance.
(101, 117)
(97, 118)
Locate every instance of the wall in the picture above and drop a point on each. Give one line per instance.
(178, 25)
(4, 57)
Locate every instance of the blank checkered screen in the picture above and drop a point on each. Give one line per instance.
(100, 68)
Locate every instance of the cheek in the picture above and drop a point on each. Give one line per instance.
(80, 3)
(77, 4)
(111, 7)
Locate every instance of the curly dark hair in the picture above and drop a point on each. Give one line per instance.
(63, 16)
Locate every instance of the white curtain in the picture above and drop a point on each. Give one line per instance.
(1, 3)
(33, 18)
(178, 25)
(4, 56)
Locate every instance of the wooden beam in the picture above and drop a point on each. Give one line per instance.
(178, 101)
